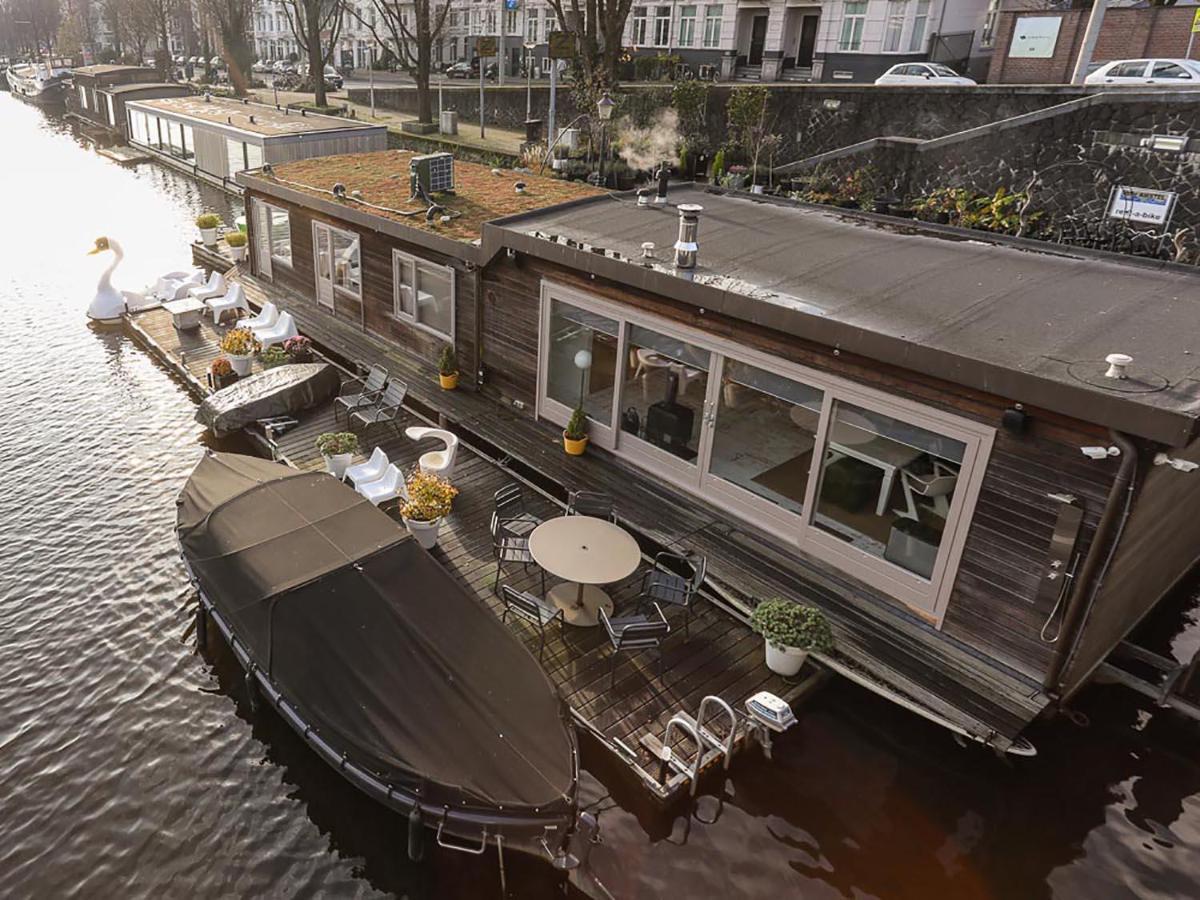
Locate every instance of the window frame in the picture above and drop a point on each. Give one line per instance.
(850, 36)
(399, 258)
(662, 25)
(925, 598)
(271, 209)
(640, 18)
(687, 25)
(711, 37)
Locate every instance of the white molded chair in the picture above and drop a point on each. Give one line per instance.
(166, 284)
(371, 470)
(284, 328)
(214, 287)
(389, 487)
(435, 462)
(235, 298)
(266, 317)
(179, 289)
(937, 487)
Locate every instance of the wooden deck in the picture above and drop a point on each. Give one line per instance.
(722, 656)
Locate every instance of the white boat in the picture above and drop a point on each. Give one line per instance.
(44, 82)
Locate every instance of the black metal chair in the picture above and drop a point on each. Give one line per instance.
(591, 503)
(639, 632)
(384, 411)
(509, 506)
(512, 547)
(537, 613)
(675, 580)
(368, 391)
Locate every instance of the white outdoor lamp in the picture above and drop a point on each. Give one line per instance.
(583, 362)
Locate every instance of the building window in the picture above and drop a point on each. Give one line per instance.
(279, 229)
(988, 37)
(893, 26)
(874, 485)
(424, 294)
(83, 103)
(662, 26)
(687, 26)
(511, 25)
(916, 40)
(712, 25)
(347, 262)
(531, 27)
(639, 26)
(854, 16)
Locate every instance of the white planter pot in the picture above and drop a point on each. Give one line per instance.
(337, 464)
(209, 236)
(785, 660)
(241, 364)
(237, 254)
(426, 533)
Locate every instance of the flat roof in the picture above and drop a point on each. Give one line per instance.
(481, 193)
(268, 121)
(142, 86)
(108, 69)
(1017, 319)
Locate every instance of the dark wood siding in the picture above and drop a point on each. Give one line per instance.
(375, 313)
(993, 608)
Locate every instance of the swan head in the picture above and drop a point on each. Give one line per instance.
(101, 246)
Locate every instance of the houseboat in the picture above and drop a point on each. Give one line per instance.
(215, 138)
(976, 457)
(44, 82)
(92, 103)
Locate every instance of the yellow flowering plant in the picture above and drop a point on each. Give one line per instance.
(429, 497)
(240, 342)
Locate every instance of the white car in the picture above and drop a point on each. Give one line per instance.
(1178, 72)
(923, 73)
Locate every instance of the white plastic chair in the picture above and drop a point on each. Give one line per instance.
(235, 298)
(266, 317)
(214, 287)
(284, 328)
(389, 487)
(166, 284)
(371, 470)
(179, 289)
(435, 462)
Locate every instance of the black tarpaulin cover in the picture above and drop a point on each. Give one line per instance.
(275, 392)
(377, 646)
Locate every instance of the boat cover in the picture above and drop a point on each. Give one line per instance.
(275, 392)
(379, 648)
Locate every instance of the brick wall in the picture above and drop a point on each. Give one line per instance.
(1126, 34)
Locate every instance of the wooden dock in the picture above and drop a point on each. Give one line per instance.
(723, 657)
(124, 155)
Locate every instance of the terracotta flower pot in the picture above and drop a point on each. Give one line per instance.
(448, 382)
(574, 447)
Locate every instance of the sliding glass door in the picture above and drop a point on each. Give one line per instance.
(581, 366)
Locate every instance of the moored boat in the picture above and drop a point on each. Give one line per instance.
(386, 666)
(44, 82)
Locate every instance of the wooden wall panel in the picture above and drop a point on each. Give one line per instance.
(993, 606)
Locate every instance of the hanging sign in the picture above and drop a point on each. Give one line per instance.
(1035, 37)
(1196, 22)
(1135, 204)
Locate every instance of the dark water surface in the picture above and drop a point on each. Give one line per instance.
(130, 766)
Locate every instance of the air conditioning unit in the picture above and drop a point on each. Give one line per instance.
(432, 172)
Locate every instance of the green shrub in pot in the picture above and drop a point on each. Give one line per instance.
(791, 631)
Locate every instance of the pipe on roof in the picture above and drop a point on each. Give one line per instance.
(1095, 567)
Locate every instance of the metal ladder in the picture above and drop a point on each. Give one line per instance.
(702, 737)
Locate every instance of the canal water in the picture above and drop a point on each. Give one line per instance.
(130, 766)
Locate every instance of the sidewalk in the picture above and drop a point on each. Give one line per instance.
(498, 140)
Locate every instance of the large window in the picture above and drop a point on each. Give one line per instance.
(639, 26)
(854, 16)
(893, 26)
(712, 26)
(424, 294)
(662, 26)
(242, 156)
(916, 39)
(347, 262)
(877, 486)
(687, 26)
(279, 233)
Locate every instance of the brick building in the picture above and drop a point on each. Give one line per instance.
(1128, 33)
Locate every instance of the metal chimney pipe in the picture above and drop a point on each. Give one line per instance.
(687, 248)
(662, 174)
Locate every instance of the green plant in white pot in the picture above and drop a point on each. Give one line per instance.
(208, 223)
(791, 632)
(338, 448)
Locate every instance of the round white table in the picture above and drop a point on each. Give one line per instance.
(586, 552)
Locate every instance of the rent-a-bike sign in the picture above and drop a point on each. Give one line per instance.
(1135, 204)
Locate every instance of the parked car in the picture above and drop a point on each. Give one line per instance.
(460, 69)
(923, 73)
(261, 67)
(333, 80)
(283, 67)
(1177, 72)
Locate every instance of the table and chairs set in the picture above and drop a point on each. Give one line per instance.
(586, 549)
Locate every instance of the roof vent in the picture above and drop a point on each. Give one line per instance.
(229, 120)
(251, 118)
(208, 98)
(339, 191)
(643, 196)
(519, 187)
(648, 253)
(662, 175)
(687, 248)
(1117, 364)
(303, 112)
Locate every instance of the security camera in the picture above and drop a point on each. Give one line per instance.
(1100, 452)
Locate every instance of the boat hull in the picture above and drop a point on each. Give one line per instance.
(32, 90)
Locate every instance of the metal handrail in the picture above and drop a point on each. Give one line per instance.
(676, 722)
(451, 845)
(727, 747)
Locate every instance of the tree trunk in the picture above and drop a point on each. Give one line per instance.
(316, 60)
(421, 77)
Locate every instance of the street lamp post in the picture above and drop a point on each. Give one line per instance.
(604, 108)
(529, 45)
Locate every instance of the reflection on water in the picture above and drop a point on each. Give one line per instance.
(130, 766)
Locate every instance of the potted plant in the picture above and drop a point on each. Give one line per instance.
(575, 435)
(274, 356)
(448, 368)
(208, 223)
(221, 374)
(240, 345)
(338, 448)
(299, 349)
(237, 245)
(790, 631)
(429, 499)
